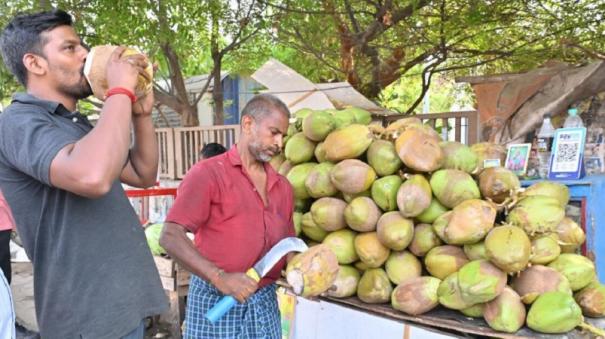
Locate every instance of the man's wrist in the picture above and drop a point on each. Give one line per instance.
(141, 115)
(121, 91)
(216, 276)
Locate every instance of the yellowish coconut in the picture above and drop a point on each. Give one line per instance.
(419, 151)
(312, 272)
(370, 250)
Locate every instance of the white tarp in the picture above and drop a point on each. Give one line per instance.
(343, 94)
(292, 88)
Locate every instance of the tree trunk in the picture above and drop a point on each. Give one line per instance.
(189, 116)
(217, 93)
(217, 58)
(187, 111)
(179, 100)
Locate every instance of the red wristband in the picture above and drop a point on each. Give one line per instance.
(121, 90)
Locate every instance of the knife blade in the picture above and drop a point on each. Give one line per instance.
(260, 269)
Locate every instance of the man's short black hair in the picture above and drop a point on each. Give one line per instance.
(23, 35)
(263, 104)
(211, 149)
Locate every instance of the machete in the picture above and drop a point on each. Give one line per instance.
(260, 269)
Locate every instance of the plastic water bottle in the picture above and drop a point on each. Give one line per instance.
(573, 120)
(545, 138)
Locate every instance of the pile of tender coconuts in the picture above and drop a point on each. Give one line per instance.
(397, 215)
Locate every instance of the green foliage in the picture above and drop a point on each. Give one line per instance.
(381, 48)
(444, 96)
(450, 37)
(160, 28)
(8, 84)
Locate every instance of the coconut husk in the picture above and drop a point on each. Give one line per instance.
(95, 71)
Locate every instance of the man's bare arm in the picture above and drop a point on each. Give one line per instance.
(174, 240)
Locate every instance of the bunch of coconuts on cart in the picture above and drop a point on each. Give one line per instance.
(394, 215)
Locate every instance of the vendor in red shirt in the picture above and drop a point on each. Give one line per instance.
(238, 207)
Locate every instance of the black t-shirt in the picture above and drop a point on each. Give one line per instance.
(94, 276)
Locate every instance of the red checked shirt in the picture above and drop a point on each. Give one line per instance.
(233, 228)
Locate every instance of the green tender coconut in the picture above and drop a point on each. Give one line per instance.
(342, 243)
(579, 270)
(554, 312)
(374, 287)
(416, 296)
(434, 210)
(346, 282)
(506, 313)
(384, 192)
(299, 149)
(480, 281)
(317, 125)
(458, 156)
(452, 187)
(537, 214)
(152, 233)
(297, 177)
(383, 157)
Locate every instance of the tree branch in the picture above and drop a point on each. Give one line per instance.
(162, 115)
(351, 15)
(168, 100)
(295, 10)
(590, 52)
(380, 25)
(306, 48)
(426, 84)
(199, 97)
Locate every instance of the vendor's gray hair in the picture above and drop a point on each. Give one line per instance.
(264, 104)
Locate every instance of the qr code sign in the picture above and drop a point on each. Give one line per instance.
(567, 152)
